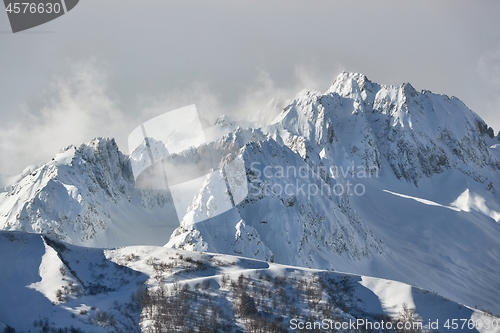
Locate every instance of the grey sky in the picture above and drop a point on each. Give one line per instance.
(108, 64)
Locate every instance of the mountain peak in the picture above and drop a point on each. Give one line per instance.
(360, 77)
(346, 83)
(365, 123)
(408, 89)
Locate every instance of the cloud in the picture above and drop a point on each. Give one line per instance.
(207, 102)
(489, 69)
(260, 99)
(73, 111)
(265, 98)
(82, 105)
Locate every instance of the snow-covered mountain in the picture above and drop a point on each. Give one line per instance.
(365, 178)
(395, 183)
(86, 196)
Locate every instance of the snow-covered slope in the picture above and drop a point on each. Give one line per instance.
(86, 196)
(48, 285)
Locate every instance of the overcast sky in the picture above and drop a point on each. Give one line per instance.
(107, 65)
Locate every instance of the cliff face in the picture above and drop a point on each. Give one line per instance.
(85, 196)
(419, 134)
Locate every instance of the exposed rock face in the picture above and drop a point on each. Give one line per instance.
(418, 134)
(83, 196)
